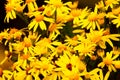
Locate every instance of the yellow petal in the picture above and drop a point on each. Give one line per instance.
(107, 75)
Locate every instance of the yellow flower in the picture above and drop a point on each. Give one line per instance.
(10, 12)
(116, 11)
(54, 29)
(101, 36)
(38, 21)
(21, 74)
(45, 46)
(11, 7)
(68, 63)
(57, 7)
(91, 21)
(5, 74)
(116, 20)
(116, 50)
(86, 47)
(72, 75)
(109, 61)
(71, 41)
(46, 66)
(111, 3)
(76, 15)
(31, 5)
(95, 74)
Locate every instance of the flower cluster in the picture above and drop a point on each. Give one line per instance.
(62, 41)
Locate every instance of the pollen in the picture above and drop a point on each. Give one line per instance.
(107, 61)
(61, 48)
(9, 8)
(92, 17)
(74, 77)
(28, 1)
(39, 18)
(27, 42)
(75, 12)
(96, 39)
(13, 30)
(25, 56)
(87, 76)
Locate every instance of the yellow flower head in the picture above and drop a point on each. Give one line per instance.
(109, 61)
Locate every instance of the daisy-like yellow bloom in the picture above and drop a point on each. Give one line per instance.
(108, 60)
(22, 74)
(38, 21)
(5, 74)
(58, 6)
(23, 60)
(101, 36)
(31, 5)
(3, 34)
(54, 76)
(59, 50)
(76, 15)
(11, 7)
(100, 5)
(116, 20)
(92, 20)
(72, 75)
(45, 46)
(10, 12)
(34, 36)
(111, 3)
(15, 33)
(25, 46)
(71, 41)
(95, 74)
(46, 66)
(70, 66)
(54, 29)
(116, 11)
(85, 47)
(68, 63)
(116, 50)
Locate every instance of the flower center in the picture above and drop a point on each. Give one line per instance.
(87, 76)
(74, 77)
(12, 31)
(75, 12)
(96, 39)
(69, 66)
(39, 18)
(25, 56)
(92, 17)
(27, 42)
(61, 48)
(9, 8)
(107, 61)
(28, 1)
